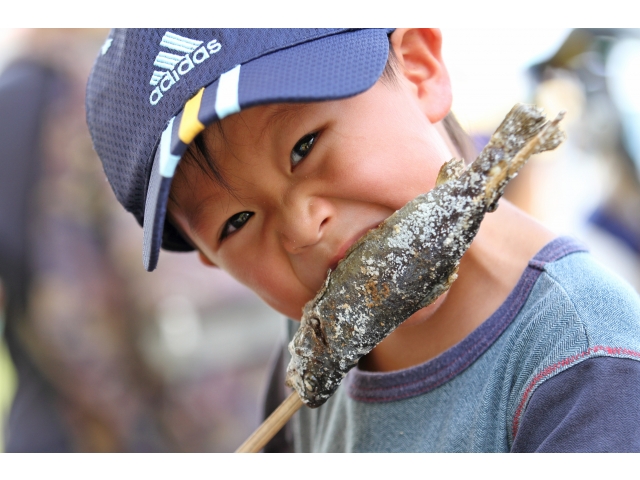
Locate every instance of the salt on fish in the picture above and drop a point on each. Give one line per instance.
(408, 261)
(401, 266)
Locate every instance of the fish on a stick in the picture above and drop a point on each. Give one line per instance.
(403, 265)
(408, 261)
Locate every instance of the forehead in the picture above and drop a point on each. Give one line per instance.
(201, 172)
(249, 134)
(259, 121)
(253, 124)
(283, 112)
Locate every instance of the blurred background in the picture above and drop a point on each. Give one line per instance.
(98, 355)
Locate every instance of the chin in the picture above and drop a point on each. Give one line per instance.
(288, 301)
(294, 312)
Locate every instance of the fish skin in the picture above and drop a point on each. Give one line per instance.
(408, 261)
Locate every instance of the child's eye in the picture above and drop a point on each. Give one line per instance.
(302, 148)
(235, 223)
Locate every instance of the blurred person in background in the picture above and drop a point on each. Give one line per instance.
(105, 361)
(595, 76)
(66, 326)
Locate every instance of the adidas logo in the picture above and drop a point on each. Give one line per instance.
(174, 66)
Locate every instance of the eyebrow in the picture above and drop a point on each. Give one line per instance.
(282, 113)
(198, 219)
(195, 217)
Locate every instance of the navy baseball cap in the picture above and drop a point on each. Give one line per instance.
(152, 91)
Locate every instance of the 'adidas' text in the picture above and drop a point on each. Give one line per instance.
(176, 66)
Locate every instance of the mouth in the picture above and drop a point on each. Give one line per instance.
(342, 251)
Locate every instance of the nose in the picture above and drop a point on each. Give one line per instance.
(303, 222)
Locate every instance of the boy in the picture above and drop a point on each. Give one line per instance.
(298, 144)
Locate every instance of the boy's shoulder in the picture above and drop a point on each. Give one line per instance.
(572, 287)
(575, 310)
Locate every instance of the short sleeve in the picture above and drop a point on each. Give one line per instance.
(593, 406)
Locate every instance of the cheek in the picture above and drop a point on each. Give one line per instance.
(391, 149)
(272, 279)
(390, 171)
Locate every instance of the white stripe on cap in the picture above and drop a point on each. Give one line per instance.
(227, 94)
(167, 60)
(168, 161)
(179, 43)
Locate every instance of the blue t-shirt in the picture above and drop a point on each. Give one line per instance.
(555, 368)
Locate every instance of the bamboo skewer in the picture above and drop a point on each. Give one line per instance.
(271, 425)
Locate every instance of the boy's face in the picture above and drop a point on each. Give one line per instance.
(306, 182)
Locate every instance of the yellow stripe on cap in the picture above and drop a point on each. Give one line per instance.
(190, 126)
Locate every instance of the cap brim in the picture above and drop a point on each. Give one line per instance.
(330, 68)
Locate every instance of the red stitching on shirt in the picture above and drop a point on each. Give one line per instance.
(610, 351)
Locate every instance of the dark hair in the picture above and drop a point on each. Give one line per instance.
(199, 154)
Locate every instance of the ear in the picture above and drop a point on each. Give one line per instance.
(205, 260)
(418, 51)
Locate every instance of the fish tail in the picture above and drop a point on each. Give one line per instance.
(507, 160)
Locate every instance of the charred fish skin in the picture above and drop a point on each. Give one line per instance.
(409, 260)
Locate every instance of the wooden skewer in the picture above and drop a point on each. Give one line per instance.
(271, 425)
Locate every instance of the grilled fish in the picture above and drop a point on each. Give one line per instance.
(411, 259)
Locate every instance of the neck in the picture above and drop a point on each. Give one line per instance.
(489, 270)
